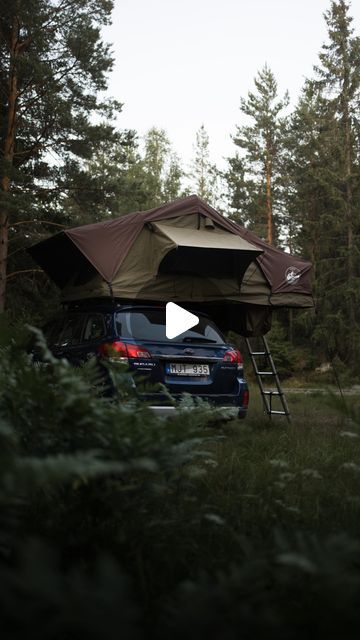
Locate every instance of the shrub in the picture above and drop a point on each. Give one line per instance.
(115, 523)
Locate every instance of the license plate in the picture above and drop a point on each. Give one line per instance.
(180, 369)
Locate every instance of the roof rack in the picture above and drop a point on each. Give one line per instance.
(108, 301)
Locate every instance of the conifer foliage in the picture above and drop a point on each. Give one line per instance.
(259, 165)
(296, 179)
(204, 175)
(53, 68)
(160, 169)
(325, 169)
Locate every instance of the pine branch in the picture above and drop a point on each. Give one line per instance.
(16, 273)
(55, 224)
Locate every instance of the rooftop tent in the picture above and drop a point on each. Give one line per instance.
(185, 252)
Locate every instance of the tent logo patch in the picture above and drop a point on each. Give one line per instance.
(292, 275)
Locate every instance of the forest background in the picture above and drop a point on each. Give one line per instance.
(293, 178)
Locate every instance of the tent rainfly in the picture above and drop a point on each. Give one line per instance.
(185, 252)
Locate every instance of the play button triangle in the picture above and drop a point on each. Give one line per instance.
(178, 320)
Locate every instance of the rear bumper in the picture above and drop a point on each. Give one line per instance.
(215, 399)
(230, 413)
(223, 399)
(232, 406)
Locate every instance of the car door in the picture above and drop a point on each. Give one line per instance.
(94, 334)
(66, 342)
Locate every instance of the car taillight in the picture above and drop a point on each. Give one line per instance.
(136, 351)
(233, 355)
(114, 351)
(120, 352)
(245, 399)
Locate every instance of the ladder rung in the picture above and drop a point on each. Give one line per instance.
(279, 413)
(273, 393)
(267, 394)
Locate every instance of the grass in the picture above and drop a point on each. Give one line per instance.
(305, 475)
(263, 477)
(257, 528)
(278, 525)
(259, 534)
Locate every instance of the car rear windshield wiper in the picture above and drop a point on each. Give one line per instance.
(192, 339)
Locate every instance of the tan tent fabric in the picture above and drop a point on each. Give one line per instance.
(184, 251)
(144, 274)
(204, 238)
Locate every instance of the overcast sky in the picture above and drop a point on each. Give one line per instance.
(183, 63)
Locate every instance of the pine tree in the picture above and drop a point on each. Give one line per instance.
(325, 185)
(53, 64)
(162, 172)
(115, 179)
(173, 180)
(338, 78)
(243, 194)
(261, 142)
(310, 165)
(203, 173)
(311, 200)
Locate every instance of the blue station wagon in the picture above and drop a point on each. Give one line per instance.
(199, 361)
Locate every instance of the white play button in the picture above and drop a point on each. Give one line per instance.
(178, 320)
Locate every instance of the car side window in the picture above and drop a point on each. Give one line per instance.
(94, 328)
(52, 330)
(70, 334)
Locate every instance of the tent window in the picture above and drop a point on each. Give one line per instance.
(212, 263)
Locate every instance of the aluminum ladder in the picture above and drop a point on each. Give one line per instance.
(267, 371)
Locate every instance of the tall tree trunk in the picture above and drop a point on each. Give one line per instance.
(291, 326)
(3, 258)
(269, 213)
(315, 235)
(345, 99)
(348, 196)
(8, 158)
(353, 346)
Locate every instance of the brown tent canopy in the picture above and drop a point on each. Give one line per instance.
(184, 251)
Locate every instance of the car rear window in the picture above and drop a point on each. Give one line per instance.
(150, 324)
